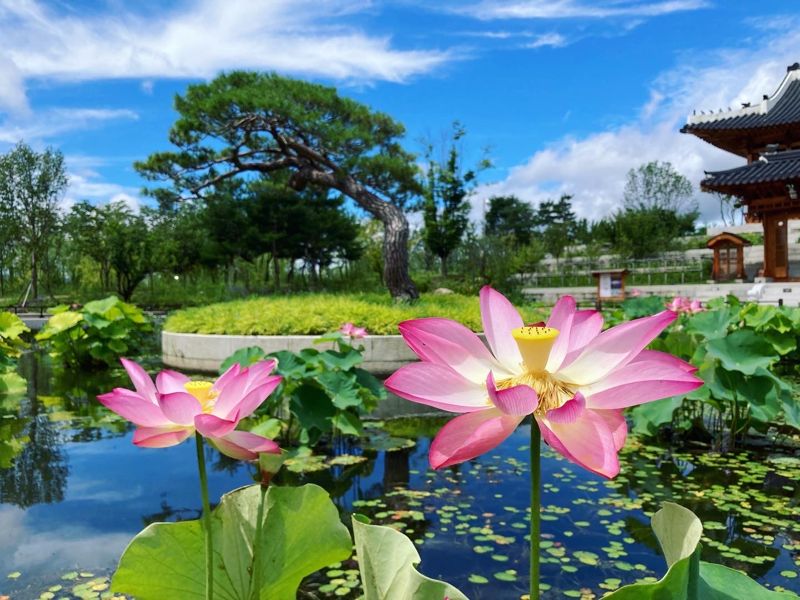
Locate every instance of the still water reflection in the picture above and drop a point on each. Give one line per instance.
(74, 490)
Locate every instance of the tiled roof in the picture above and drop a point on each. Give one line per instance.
(777, 166)
(782, 108)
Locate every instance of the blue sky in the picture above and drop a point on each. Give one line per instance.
(568, 94)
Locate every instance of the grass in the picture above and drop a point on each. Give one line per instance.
(311, 314)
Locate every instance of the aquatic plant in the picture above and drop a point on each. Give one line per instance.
(11, 346)
(572, 377)
(95, 335)
(170, 410)
(325, 391)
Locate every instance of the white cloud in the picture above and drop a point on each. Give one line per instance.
(553, 40)
(86, 183)
(593, 168)
(572, 9)
(56, 121)
(200, 39)
(12, 89)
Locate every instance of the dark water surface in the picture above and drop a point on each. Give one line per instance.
(74, 490)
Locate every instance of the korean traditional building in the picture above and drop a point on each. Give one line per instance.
(767, 135)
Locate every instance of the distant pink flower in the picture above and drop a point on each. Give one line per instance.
(680, 304)
(573, 377)
(354, 332)
(635, 293)
(169, 411)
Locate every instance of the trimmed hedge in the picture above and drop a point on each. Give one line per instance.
(314, 314)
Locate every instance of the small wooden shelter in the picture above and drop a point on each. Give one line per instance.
(728, 256)
(767, 135)
(610, 284)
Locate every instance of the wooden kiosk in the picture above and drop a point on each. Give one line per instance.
(728, 256)
(767, 135)
(610, 285)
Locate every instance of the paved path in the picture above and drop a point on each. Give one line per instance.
(771, 293)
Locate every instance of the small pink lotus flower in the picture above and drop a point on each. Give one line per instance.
(574, 378)
(680, 304)
(354, 332)
(169, 411)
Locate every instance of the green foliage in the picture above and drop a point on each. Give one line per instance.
(96, 335)
(642, 306)
(166, 560)
(510, 216)
(31, 187)
(688, 578)
(387, 561)
(445, 204)
(326, 391)
(315, 314)
(11, 346)
(557, 225)
(739, 350)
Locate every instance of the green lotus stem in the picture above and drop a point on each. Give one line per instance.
(255, 590)
(536, 506)
(209, 544)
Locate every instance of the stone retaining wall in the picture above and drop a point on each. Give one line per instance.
(197, 352)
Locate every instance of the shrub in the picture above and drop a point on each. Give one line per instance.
(96, 335)
(314, 314)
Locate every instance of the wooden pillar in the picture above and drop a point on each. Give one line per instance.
(715, 268)
(740, 262)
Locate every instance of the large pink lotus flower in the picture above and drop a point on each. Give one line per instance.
(573, 377)
(169, 411)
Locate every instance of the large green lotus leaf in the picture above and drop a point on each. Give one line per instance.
(758, 315)
(679, 531)
(58, 323)
(301, 533)
(341, 387)
(386, 559)
(104, 307)
(744, 351)
(649, 416)
(11, 326)
(244, 357)
(711, 324)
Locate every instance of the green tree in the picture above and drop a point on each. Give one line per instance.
(557, 225)
(510, 216)
(657, 185)
(445, 198)
(245, 122)
(31, 185)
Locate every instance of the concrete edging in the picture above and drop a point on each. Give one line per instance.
(383, 354)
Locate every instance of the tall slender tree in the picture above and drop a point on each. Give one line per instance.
(31, 186)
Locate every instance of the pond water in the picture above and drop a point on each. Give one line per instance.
(74, 490)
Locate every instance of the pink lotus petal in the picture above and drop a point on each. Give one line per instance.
(562, 315)
(168, 382)
(213, 426)
(229, 374)
(569, 412)
(259, 373)
(243, 445)
(450, 344)
(438, 386)
(663, 357)
(231, 395)
(614, 348)
(141, 380)
(588, 442)
(499, 317)
(615, 419)
(639, 382)
(133, 407)
(180, 407)
(519, 401)
(346, 328)
(160, 437)
(358, 333)
(586, 325)
(470, 435)
(252, 399)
